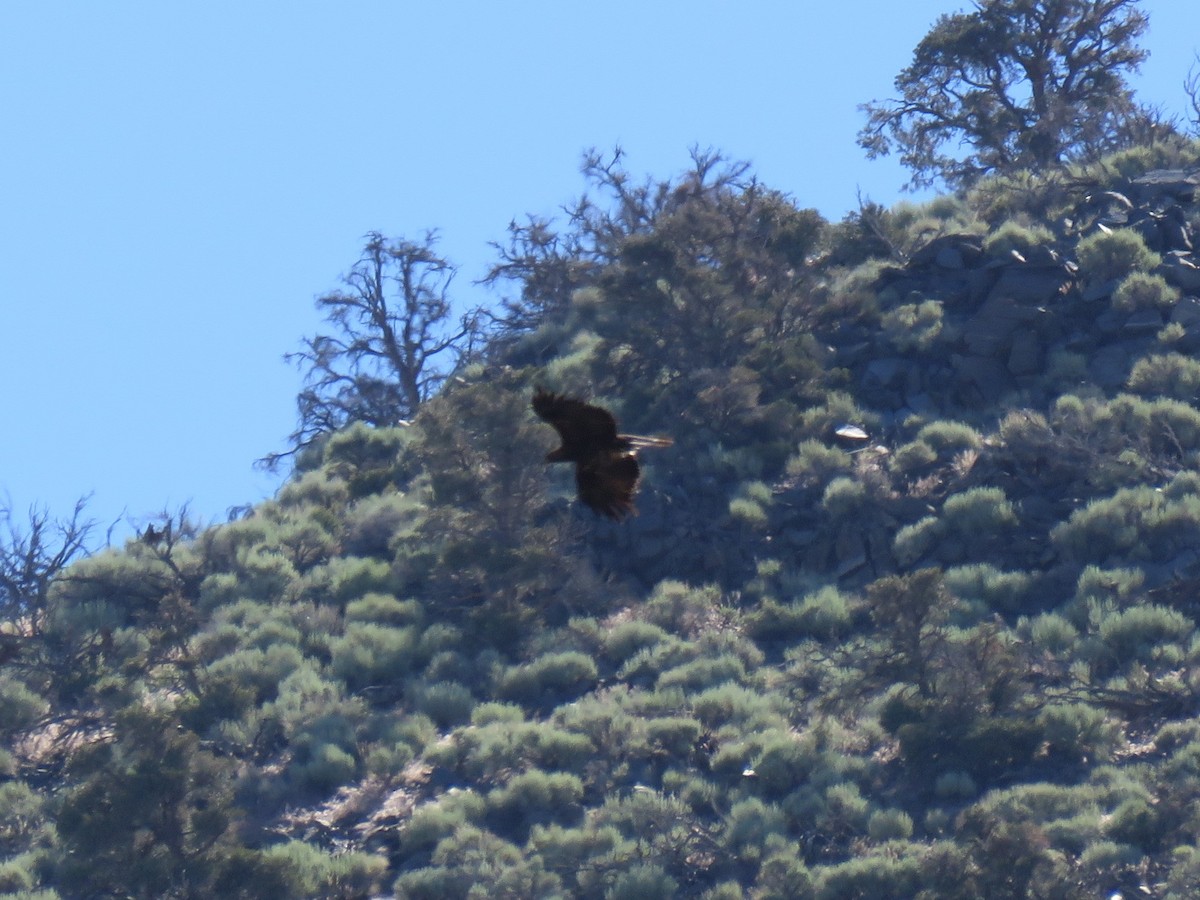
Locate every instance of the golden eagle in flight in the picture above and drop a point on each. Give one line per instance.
(606, 466)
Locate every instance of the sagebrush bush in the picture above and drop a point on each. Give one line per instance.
(703, 673)
(814, 462)
(1010, 236)
(1170, 374)
(748, 825)
(748, 512)
(978, 511)
(731, 703)
(322, 766)
(372, 654)
(911, 459)
(1144, 290)
(889, 825)
(642, 881)
(553, 675)
(445, 702)
(676, 735)
(912, 542)
(844, 498)
(535, 797)
(20, 707)
(1078, 731)
(988, 587)
(627, 638)
(1052, 633)
(1134, 633)
(913, 327)
(1105, 257)
(947, 436)
(312, 872)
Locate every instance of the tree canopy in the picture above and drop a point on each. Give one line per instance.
(1015, 84)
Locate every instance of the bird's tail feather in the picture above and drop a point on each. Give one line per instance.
(642, 442)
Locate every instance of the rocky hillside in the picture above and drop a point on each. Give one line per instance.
(909, 609)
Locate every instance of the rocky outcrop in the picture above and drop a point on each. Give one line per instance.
(1006, 319)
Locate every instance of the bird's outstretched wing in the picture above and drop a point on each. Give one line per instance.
(580, 425)
(608, 483)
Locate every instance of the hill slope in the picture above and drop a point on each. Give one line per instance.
(949, 651)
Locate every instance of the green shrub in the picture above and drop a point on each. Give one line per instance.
(1171, 374)
(673, 735)
(1134, 633)
(1142, 290)
(955, 786)
(648, 663)
(369, 654)
(627, 638)
(747, 511)
(605, 718)
(784, 763)
(551, 676)
(912, 458)
(534, 797)
(889, 825)
(1111, 256)
(823, 615)
(1052, 633)
(732, 703)
(947, 436)
(1171, 334)
(844, 498)
(445, 702)
(878, 877)
(313, 873)
(384, 609)
(643, 881)
(1109, 525)
(373, 523)
(345, 578)
(782, 875)
(1138, 822)
(497, 713)
(748, 825)
(912, 327)
(1010, 236)
(978, 511)
(322, 766)
(1164, 425)
(826, 613)
(912, 542)
(844, 810)
(838, 408)
(19, 706)
(438, 819)
(681, 608)
(572, 849)
(18, 876)
(471, 863)
(1101, 857)
(1078, 732)
(816, 463)
(255, 674)
(986, 586)
(487, 752)
(1175, 735)
(703, 673)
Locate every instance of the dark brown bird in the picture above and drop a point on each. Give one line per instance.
(606, 466)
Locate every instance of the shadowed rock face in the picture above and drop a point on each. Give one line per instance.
(1006, 318)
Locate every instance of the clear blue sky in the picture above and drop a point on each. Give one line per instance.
(180, 180)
